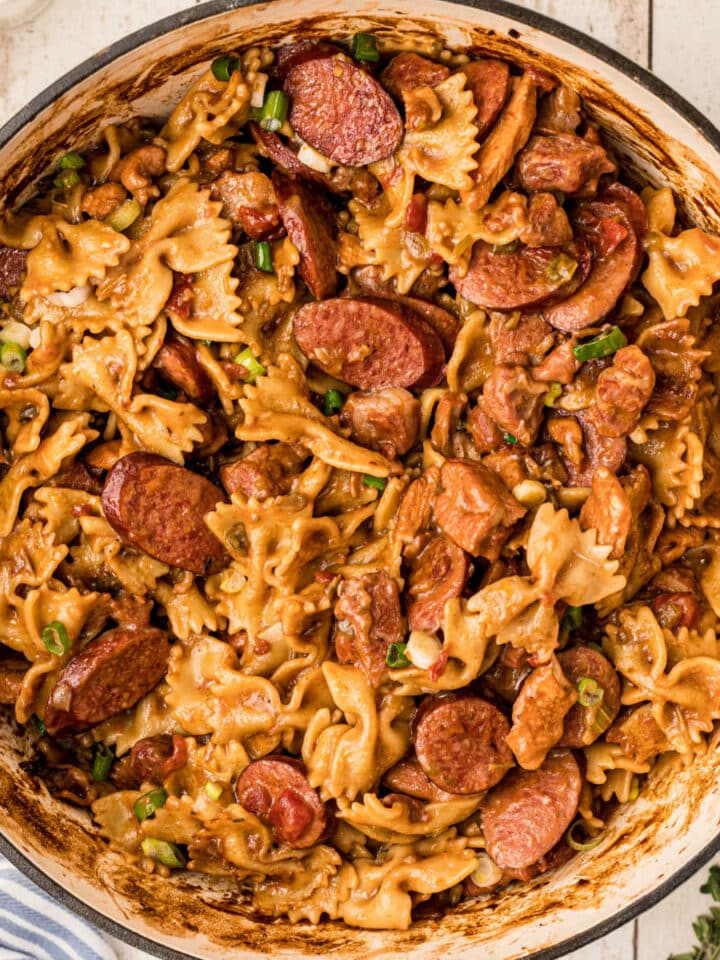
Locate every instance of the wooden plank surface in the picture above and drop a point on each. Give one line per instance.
(675, 37)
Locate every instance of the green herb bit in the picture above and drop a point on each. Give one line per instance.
(103, 757)
(146, 805)
(56, 639)
(590, 693)
(561, 268)
(363, 46)
(224, 67)
(395, 657)
(168, 393)
(263, 256)
(504, 248)
(13, 357)
(334, 401)
(579, 845)
(71, 161)
(572, 618)
(246, 358)
(604, 345)
(274, 110)
(707, 926)
(41, 728)
(166, 853)
(378, 482)
(67, 179)
(553, 393)
(126, 213)
(509, 438)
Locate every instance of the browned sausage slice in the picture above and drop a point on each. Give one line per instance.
(292, 54)
(528, 813)
(489, 81)
(160, 508)
(177, 360)
(370, 342)
(277, 791)
(110, 675)
(408, 777)
(438, 574)
(285, 157)
(407, 71)
(151, 760)
(13, 264)
(310, 224)
(268, 471)
(445, 325)
(342, 111)
(460, 743)
(583, 725)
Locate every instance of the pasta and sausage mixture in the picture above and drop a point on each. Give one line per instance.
(360, 484)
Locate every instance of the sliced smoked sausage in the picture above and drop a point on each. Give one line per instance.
(178, 361)
(277, 791)
(489, 81)
(407, 71)
(408, 777)
(310, 224)
(583, 725)
(160, 508)
(528, 813)
(13, 264)
(292, 54)
(460, 743)
(342, 111)
(370, 342)
(110, 675)
(438, 574)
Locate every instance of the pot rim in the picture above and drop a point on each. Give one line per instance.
(639, 75)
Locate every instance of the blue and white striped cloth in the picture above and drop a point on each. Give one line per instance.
(34, 927)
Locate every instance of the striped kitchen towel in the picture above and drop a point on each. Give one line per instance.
(34, 927)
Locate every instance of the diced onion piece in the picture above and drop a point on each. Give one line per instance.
(233, 583)
(487, 873)
(530, 493)
(313, 159)
(74, 297)
(16, 332)
(423, 649)
(258, 91)
(572, 498)
(213, 790)
(35, 337)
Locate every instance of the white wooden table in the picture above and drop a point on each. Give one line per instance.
(675, 38)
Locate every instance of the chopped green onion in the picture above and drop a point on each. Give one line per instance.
(103, 757)
(363, 46)
(146, 805)
(509, 438)
(274, 110)
(603, 345)
(126, 213)
(246, 358)
(572, 618)
(67, 179)
(56, 639)
(213, 790)
(553, 393)
(168, 393)
(395, 657)
(505, 247)
(206, 343)
(263, 256)
(334, 401)
(561, 268)
(162, 851)
(378, 482)
(12, 357)
(71, 161)
(590, 693)
(224, 67)
(576, 844)
(42, 729)
(634, 790)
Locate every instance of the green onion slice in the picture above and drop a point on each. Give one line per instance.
(42, 729)
(578, 845)
(146, 805)
(553, 393)
(126, 213)
(274, 111)
(334, 401)
(263, 256)
(224, 67)
(103, 757)
(603, 345)
(378, 482)
(590, 693)
(12, 357)
(572, 618)
(395, 657)
(509, 438)
(561, 268)
(67, 179)
(213, 790)
(510, 247)
(71, 161)
(246, 358)
(56, 639)
(363, 46)
(634, 790)
(164, 852)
